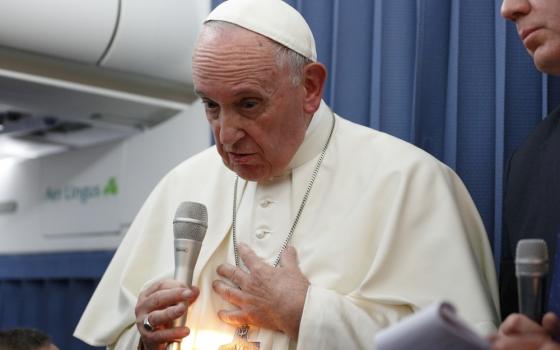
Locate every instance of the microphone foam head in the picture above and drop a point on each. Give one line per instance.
(191, 221)
(531, 258)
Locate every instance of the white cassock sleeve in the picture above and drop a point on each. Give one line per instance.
(128, 340)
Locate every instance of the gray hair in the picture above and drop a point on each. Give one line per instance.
(284, 56)
(294, 60)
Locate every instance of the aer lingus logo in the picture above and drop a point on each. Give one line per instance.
(82, 193)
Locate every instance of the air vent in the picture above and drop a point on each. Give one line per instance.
(76, 134)
(66, 127)
(25, 135)
(13, 121)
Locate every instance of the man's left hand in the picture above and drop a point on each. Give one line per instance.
(268, 297)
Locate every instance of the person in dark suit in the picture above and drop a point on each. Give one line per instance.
(25, 339)
(532, 189)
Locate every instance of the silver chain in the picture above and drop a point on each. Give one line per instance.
(300, 210)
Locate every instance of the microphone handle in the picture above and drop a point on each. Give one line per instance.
(173, 346)
(186, 254)
(531, 295)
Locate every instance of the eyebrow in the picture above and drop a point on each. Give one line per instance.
(249, 89)
(237, 93)
(242, 91)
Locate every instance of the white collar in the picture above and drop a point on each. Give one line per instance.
(315, 137)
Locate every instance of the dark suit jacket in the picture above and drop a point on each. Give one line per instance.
(531, 201)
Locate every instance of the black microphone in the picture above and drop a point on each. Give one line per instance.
(189, 227)
(531, 267)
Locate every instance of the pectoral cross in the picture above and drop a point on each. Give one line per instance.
(241, 341)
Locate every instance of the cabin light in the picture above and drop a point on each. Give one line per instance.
(12, 148)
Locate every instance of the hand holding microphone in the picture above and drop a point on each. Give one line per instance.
(189, 228)
(524, 330)
(161, 310)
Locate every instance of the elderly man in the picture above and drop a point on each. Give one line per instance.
(532, 194)
(340, 230)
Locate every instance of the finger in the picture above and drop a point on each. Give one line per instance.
(163, 317)
(551, 324)
(250, 258)
(233, 317)
(165, 335)
(163, 284)
(194, 293)
(231, 294)
(162, 299)
(519, 324)
(289, 258)
(234, 274)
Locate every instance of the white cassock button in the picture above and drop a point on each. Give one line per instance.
(265, 203)
(261, 233)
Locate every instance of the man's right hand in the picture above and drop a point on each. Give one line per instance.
(518, 332)
(163, 302)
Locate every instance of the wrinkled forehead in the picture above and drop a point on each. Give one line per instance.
(219, 40)
(234, 58)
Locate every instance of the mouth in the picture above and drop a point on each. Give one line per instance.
(240, 158)
(524, 33)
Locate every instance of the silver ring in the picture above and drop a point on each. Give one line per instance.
(147, 325)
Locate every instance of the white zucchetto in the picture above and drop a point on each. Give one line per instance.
(274, 19)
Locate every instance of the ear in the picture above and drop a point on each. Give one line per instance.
(314, 77)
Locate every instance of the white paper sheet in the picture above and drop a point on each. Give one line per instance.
(437, 327)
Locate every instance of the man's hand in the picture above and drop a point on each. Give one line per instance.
(268, 297)
(163, 302)
(518, 332)
(524, 342)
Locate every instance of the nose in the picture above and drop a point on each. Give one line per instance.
(515, 9)
(231, 130)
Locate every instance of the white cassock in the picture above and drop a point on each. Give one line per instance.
(387, 230)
